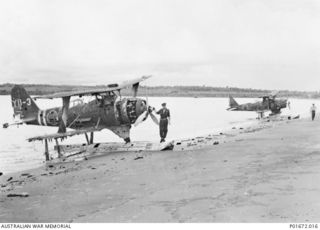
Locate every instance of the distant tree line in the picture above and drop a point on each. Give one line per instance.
(166, 91)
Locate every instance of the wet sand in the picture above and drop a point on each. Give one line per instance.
(268, 175)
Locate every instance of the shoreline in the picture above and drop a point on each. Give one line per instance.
(196, 96)
(241, 180)
(222, 135)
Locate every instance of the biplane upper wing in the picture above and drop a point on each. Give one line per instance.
(63, 135)
(108, 88)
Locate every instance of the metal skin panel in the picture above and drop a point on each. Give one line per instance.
(108, 110)
(104, 113)
(87, 115)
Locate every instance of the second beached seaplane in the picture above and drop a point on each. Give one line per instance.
(108, 110)
(268, 103)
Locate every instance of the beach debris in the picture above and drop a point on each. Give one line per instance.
(170, 146)
(26, 174)
(138, 158)
(216, 143)
(16, 181)
(233, 127)
(1, 173)
(10, 178)
(191, 144)
(23, 194)
(239, 140)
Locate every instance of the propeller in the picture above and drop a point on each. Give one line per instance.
(141, 118)
(145, 115)
(154, 118)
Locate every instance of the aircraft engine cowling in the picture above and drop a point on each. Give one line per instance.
(129, 109)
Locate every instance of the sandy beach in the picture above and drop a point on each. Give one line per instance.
(268, 175)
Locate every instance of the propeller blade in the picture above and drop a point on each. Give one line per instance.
(141, 118)
(154, 118)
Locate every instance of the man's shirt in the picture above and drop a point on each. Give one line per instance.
(164, 113)
(313, 108)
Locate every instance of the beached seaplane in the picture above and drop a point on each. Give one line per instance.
(108, 110)
(268, 103)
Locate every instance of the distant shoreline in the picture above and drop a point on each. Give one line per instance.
(167, 91)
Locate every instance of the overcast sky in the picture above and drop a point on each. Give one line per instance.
(269, 44)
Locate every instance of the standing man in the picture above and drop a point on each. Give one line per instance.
(313, 111)
(164, 121)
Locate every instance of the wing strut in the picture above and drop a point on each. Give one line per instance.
(91, 138)
(89, 141)
(135, 89)
(64, 116)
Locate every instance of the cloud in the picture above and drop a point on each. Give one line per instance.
(250, 43)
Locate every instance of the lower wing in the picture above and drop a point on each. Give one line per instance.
(63, 135)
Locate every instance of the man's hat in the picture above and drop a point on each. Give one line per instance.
(163, 104)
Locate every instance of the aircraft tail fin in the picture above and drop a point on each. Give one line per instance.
(232, 102)
(23, 105)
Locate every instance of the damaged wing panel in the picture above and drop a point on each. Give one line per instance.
(63, 135)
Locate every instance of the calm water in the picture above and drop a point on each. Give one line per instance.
(190, 117)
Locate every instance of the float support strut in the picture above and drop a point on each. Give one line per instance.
(46, 149)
